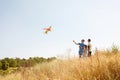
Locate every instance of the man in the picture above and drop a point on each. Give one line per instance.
(81, 47)
(89, 47)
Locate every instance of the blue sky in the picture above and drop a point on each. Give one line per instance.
(21, 23)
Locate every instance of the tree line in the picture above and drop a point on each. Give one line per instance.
(7, 63)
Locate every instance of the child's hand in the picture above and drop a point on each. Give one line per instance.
(73, 41)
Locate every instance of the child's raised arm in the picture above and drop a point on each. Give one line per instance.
(75, 42)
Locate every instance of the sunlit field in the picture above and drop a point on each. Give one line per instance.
(103, 65)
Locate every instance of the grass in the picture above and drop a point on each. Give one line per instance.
(101, 66)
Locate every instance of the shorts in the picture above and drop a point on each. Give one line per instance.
(80, 52)
(89, 53)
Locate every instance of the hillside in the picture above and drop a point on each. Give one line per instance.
(101, 66)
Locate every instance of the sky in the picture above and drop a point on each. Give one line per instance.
(22, 21)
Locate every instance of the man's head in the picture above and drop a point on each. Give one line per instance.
(89, 40)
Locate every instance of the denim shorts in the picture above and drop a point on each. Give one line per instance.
(80, 52)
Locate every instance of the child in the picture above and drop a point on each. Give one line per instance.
(85, 51)
(81, 47)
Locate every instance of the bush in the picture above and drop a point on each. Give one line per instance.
(12, 63)
(0, 65)
(5, 65)
(115, 48)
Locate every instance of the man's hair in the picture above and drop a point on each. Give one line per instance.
(89, 40)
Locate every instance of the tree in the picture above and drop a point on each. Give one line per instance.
(115, 48)
(18, 60)
(0, 65)
(31, 62)
(5, 65)
(12, 63)
(50, 59)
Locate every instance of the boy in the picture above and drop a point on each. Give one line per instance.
(81, 47)
(85, 51)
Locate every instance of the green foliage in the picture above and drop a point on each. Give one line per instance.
(50, 59)
(8, 65)
(18, 61)
(0, 65)
(12, 63)
(5, 65)
(115, 48)
(30, 62)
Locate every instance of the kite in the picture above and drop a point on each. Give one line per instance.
(47, 29)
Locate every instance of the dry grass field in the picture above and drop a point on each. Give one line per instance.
(101, 66)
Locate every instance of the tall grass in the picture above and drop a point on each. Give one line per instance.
(101, 66)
